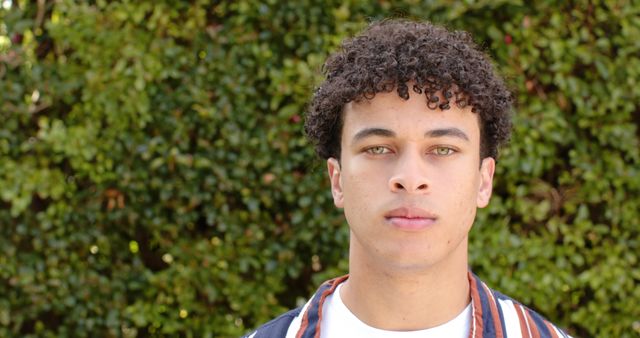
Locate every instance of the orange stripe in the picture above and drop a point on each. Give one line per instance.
(477, 308)
(336, 282)
(523, 322)
(535, 333)
(304, 324)
(494, 312)
(551, 329)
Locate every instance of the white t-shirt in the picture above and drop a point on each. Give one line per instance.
(338, 322)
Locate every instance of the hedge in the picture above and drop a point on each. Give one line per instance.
(155, 179)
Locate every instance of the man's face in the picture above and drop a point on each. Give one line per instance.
(410, 179)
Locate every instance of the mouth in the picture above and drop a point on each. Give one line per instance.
(410, 218)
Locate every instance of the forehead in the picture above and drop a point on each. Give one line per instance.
(407, 117)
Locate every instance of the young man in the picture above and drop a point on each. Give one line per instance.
(409, 119)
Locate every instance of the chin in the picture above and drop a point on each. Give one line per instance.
(412, 259)
(410, 266)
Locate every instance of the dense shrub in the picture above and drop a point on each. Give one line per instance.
(155, 180)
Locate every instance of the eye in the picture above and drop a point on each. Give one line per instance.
(378, 150)
(443, 151)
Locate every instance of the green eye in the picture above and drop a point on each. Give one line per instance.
(443, 151)
(377, 150)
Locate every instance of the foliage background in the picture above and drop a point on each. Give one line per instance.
(155, 181)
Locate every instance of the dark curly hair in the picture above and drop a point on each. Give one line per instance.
(394, 54)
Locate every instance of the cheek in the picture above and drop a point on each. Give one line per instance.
(467, 202)
(363, 179)
(361, 191)
(461, 195)
(357, 189)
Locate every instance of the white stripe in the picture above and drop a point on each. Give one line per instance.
(511, 321)
(489, 292)
(253, 334)
(524, 315)
(473, 320)
(560, 333)
(493, 300)
(297, 322)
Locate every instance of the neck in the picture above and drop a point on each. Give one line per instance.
(397, 299)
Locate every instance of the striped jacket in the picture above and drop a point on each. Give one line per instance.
(493, 315)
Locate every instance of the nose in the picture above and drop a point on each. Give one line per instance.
(410, 175)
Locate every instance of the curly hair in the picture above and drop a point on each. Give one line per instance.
(394, 54)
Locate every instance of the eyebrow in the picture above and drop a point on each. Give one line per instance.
(364, 133)
(455, 132)
(434, 133)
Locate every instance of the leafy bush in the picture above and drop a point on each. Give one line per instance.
(156, 181)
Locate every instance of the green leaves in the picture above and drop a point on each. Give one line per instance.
(155, 179)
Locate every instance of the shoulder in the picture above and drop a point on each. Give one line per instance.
(292, 322)
(501, 315)
(277, 327)
(527, 319)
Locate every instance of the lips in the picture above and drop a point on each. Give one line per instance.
(410, 218)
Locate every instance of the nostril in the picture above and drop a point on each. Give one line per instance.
(422, 187)
(398, 186)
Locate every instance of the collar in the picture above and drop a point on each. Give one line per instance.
(486, 319)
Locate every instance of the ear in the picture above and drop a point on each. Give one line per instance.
(485, 185)
(333, 166)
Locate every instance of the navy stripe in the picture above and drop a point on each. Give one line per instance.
(498, 296)
(488, 327)
(562, 332)
(504, 327)
(536, 317)
(277, 327)
(313, 312)
(544, 331)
